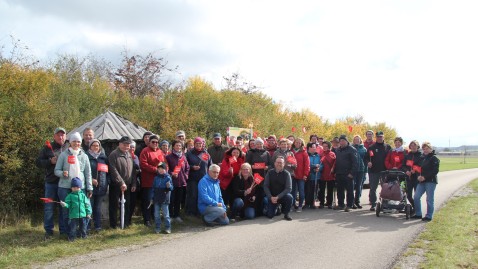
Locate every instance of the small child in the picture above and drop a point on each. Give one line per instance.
(160, 196)
(79, 209)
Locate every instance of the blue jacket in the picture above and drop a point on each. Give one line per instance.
(361, 151)
(314, 160)
(209, 193)
(159, 193)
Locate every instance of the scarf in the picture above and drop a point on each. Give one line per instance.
(94, 154)
(74, 170)
(400, 149)
(178, 153)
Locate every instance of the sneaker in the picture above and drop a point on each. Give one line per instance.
(287, 217)
(178, 220)
(168, 231)
(347, 209)
(299, 209)
(354, 206)
(358, 205)
(372, 208)
(427, 219)
(416, 216)
(232, 220)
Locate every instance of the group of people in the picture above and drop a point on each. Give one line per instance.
(222, 182)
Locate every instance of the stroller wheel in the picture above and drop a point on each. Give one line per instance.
(378, 208)
(408, 211)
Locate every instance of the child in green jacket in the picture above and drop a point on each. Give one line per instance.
(79, 209)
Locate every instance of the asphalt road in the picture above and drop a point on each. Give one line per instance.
(314, 239)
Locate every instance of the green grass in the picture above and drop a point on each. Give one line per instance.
(451, 239)
(23, 245)
(457, 163)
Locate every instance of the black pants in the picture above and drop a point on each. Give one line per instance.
(344, 183)
(192, 198)
(114, 204)
(147, 212)
(329, 184)
(176, 197)
(411, 188)
(311, 189)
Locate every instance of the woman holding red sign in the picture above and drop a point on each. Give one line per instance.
(244, 190)
(395, 157)
(411, 159)
(179, 171)
(428, 168)
(230, 166)
(72, 163)
(99, 174)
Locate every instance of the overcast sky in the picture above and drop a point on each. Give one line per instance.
(411, 64)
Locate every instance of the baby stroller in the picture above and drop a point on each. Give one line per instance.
(393, 196)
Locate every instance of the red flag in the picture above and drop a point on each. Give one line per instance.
(71, 159)
(258, 178)
(47, 200)
(417, 169)
(370, 152)
(293, 129)
(397, 159)
(102, 167)
(410, 163)
(205, 157)
(303, 129)
(48, 145)
(291, 160)
(259, 166)
(350, 129)
(232, 160)
(254, 135)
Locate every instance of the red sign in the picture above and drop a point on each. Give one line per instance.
(47, 200)
(181, 162)
(102, 167)
(258, 178)
(71, 159)
(205, 157)
(370, 152)
(410, 163)
(259, 166)
(232, 160)
(350, 129)
(177, 169)
(397, 159)
(417, 169)
(291, 160)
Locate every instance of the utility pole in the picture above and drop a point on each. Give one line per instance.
(464, 155)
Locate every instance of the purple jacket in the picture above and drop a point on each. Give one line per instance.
(173, 161)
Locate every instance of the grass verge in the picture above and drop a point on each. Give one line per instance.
(23, 246)
(457, 163)
(451, 239)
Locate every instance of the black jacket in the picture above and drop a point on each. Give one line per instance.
(380, 151)
(430, 166)
(44, 160)
(346, 162)
(101, 177)
(415, 157)
(254, 156)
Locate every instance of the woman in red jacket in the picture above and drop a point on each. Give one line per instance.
(301, 172)
(395, 157)
(327, 180)
(230, 167)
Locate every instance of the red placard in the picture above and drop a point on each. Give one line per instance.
(259, 166)
(177, 169)
(102, 167)
(291, 160)
(417, 168)
(397, 159)
(181, 162)
(410, 163)
(232, 160)
(350, 129)
(47, 200)
(258, 178)
(205, 157)
(370, 152)
(71, 159)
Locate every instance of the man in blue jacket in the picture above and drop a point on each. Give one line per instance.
(210, 202)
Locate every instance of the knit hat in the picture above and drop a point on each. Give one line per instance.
(93, 141)
(75, 137)
(259, 140)
(344, 137)
(180, 133)
(164, 142)
(76, 182)
(198, 139)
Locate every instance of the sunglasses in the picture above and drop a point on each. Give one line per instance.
(154, 142)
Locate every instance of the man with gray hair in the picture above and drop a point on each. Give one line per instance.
(210, 202)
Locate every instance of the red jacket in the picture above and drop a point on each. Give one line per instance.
(328, 160)
(303, 164)
(367, 144)
(225, 177)
(148, 162)
(394, 159)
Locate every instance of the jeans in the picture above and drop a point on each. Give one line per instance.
(298, 184)
(429, 189)
(157, 216)
(96, 203)
(73, 224)
(215, 215)
(51, 191)
(285, 202)
(192, 198)
(176, 197)
(344, 183)
(359, 178)
(237, 206)
(62, 193)
(374, 179)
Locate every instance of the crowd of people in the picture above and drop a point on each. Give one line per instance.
(224, 182)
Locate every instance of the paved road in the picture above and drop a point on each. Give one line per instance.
(315, 238)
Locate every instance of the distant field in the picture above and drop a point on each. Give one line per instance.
(457, 163)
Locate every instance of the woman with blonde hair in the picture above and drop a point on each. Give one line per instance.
(244, 190)
(359, 176)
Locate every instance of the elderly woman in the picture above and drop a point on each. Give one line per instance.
(427, 181)
(327, 179)
(99, 171)
(359, 176)
(411, 158)
(301, 171)
(179, 171)
(73, 163)
(244, 193)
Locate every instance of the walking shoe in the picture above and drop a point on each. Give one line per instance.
(168, 231)
(354, 207)
(178, 220)
(372, 208)
(339, 207)
(287, 217)
(147, 224)
(416, 216)
(347, 209)
(358, 205)
(426, 219)
(299, 209)
(232, 220)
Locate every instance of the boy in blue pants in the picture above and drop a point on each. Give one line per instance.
(79, 210)
(160, 196)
